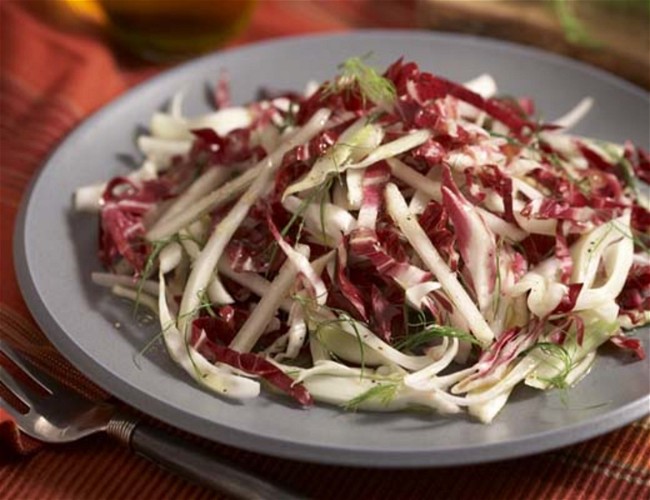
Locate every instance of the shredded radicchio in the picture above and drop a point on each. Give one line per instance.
(252, 364)
(499, 217)
(125, 203)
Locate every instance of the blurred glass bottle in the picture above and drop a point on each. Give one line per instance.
(168, 29)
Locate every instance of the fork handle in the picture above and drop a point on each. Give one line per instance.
(196, 463)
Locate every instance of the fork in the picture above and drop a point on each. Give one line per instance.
(57, 414)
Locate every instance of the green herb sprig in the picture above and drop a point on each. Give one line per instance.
(385, 393)
(373, 86)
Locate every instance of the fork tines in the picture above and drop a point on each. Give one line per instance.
(24, 380)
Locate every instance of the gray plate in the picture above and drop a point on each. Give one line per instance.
(55, 252)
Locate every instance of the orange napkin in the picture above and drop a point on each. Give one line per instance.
(48, 82)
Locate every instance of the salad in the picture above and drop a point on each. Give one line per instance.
(381, 242)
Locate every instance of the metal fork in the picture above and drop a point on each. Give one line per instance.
(57, 414)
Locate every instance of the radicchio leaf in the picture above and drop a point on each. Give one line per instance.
(248, 248)
(629, 344)
(347, 288)
(594, 159)
(568, 302)
(223, 325)
(383, 313)
(435, 222)
(253, 364)
(124, 204)
(640, 161)
(349, 98)
(233, 148)
(509, 345)
(431, 152)
(636, 291)
(434, 87)
(374, 180)
(365, 242)
(476, 242)
(562, 253)
(493, 178)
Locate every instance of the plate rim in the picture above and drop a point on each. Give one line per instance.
(336, 455)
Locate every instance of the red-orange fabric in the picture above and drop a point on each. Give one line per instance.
(49, 81)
